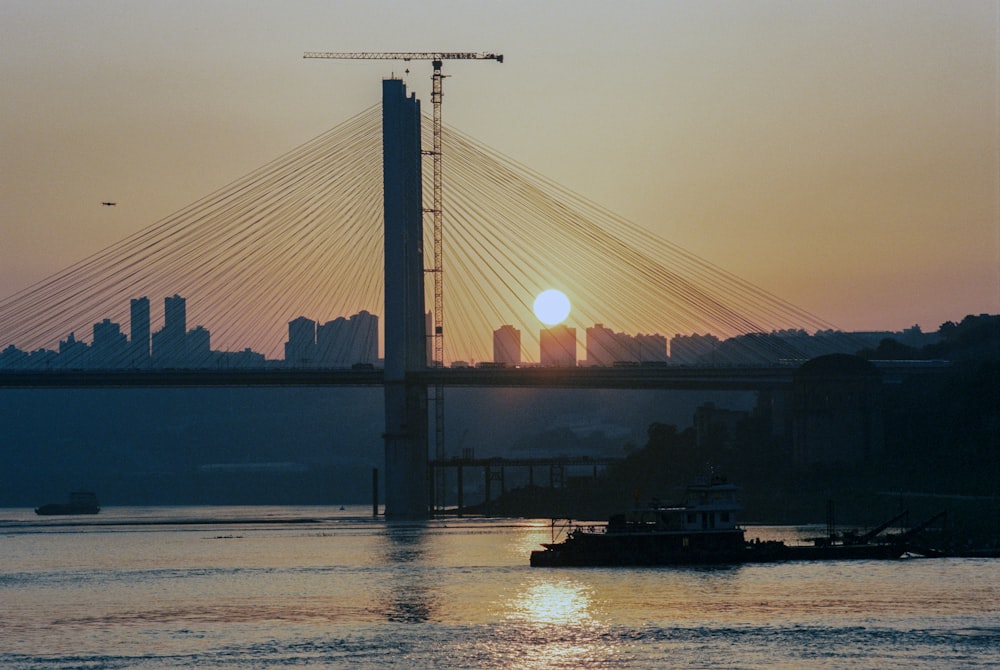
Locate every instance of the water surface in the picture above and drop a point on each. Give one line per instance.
(303, 587)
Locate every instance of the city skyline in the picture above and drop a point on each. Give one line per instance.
(347, 341)
(842, 156)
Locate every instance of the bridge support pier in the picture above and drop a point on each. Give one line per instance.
(406, 422)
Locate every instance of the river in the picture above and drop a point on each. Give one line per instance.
(321, 587)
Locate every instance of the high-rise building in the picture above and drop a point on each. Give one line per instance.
(198, 347)
(693, 349)
(343, 342)
(330, 338)
(651, 348)
(170, 342)
(72, 352)
(109, 345)
(175, 315)
(364, 338)
(606, 347)
(558, 347)
(507, 346)
(300, 349)
(139, 329)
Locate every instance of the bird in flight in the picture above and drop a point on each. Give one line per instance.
(109, 204)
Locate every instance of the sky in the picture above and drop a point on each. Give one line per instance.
(843, 155)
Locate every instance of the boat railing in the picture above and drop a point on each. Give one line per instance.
(564, 527)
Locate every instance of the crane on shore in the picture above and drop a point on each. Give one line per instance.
(437, 58)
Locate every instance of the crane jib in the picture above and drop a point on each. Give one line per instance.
(405, 55)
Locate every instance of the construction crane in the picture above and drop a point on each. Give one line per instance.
(436, 58)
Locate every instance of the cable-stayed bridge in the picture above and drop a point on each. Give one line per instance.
(335, 227)
(302, 236)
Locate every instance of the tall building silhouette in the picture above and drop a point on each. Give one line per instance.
(139, 330)
(300, 349)
(651, 348)
(507, 345)
(558, 347)
(175, 315)
(108, 346)
(170, 342)
(364, 338)
(330, 343)
(693, 349)
(345, 341)
(606, 347)
(198, 346)
(72, 352)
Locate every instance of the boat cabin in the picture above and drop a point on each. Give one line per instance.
(709, 505)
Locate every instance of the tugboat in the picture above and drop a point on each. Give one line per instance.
(702, 530)
(80, 502)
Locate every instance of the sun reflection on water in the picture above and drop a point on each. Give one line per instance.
(554, 603)
(554, 624)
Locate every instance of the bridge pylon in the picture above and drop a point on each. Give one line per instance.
(406, 421)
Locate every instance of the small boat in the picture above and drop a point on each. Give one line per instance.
(80, 502)
(702, 530)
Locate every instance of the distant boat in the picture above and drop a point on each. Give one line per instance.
(80, 502)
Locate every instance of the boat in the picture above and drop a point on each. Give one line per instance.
(80, 502)
(701, 530)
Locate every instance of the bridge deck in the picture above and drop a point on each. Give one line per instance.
(653, 378)
(623, 378)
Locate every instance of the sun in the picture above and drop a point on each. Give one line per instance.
(551, 307)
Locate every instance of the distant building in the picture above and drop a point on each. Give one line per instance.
(332, 343)
(13, 358)
(300, 349)
(339, 343)
(169, 343)
(109, 345)
(198, 343)
(652, 348)
(175, 316)
(693, 349)
(176, 347)
(507, 346)
(558, 347)
(139, 330)
(606, 348)
(72, 352)
(364, 338)
(240, 359)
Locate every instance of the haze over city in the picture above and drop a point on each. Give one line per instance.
(843, 156)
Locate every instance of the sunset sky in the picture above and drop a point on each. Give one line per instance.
(843, 155)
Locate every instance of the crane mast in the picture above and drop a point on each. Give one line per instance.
(437, 208)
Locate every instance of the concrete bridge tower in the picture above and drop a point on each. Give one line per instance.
(406, 421)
